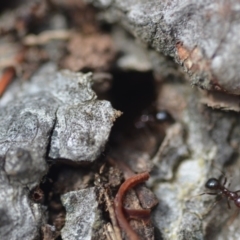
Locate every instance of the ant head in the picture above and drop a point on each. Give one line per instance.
(212, 184)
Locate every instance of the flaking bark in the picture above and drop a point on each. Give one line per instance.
(202, 36)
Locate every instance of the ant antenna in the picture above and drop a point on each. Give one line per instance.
(223, 174)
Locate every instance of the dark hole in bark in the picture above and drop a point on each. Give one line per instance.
(131, 93)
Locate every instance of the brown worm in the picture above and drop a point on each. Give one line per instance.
(118, 203)
(143, 214)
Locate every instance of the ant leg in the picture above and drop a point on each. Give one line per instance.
(217, 167)
(237, 191)
(209, 193)
(225, 181)
(229, 206)
(223, 175)
(213, 205)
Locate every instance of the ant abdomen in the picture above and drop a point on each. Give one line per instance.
(237, 202)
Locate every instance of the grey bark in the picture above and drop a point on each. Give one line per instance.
(56, 115)
(83, 217)
(42, 121)
(194, 150)
(202, 36)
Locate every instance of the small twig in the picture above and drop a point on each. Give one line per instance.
(143, 214)
(46, 36)
(112, 217)
(109, 232)
(127, 172)
(6, 79)
(104, 194)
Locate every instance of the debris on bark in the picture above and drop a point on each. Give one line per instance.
(92, 52)
(81, 15)
(45, 37)
(221, 101)
(133, 56)
(111, 229)
(48, 232)
(6, 79)
(24, 16)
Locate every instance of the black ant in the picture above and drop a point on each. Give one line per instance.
(215, 184)
(149, 117)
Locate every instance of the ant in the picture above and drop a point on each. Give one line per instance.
(221, 190)
(153, 116)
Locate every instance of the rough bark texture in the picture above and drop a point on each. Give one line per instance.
(83, 217)
(56, 115)
(203, 138)
(175, 137)
(70, 103)
(201, 35)
(20, 217)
